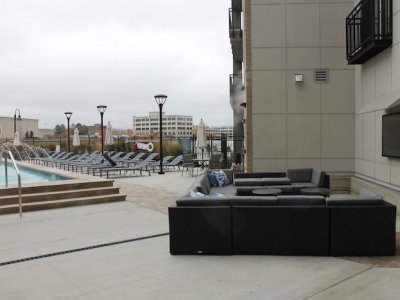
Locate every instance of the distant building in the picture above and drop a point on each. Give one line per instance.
(173, 125)
(216, 131)
(23, 126)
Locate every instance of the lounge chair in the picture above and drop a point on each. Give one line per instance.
(176, 162)
(139, 167)
(99, 159)
(137, 158)
(63, 157)
(150, 158)
(127, 156)
(85, 158)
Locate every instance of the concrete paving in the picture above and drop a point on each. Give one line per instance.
(144, 269)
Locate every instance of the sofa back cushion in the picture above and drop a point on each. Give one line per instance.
(318, 177)
(300, 175)
(301, 200)
(253, 201)
(203, 201)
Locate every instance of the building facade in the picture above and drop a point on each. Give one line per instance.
(23, 126)
(377, 82)
(316, 99)
(299, 89)
(173, 125)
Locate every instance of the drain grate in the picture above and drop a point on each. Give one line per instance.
(81, 249)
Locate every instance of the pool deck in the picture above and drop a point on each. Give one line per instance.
(139, 268)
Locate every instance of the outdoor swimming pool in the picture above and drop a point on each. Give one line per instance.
(28, 175)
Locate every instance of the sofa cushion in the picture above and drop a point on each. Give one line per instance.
(301, 200)
(212, 179)
(275, 181)
(318, 177)
(248, 182)
(301, 185)
(299, 175)
(221, 177)
(203, 201)
(229, 175)
(253, 200)
(227, 189)
(201, 184)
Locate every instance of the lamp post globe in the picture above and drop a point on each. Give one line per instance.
(68, 114)
(160, 100)
(102, 109)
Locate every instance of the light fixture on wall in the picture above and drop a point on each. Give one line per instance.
(298, 78)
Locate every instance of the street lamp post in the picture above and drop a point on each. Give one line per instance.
(160, 100)
(102, 109)
(15, 119)
(68, 114)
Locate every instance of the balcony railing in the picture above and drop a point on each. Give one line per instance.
(235, 83)
(235, 24)
(368, 30)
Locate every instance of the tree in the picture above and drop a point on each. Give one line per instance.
(82, 129)
(59, 129)
(26, 134)
(31, 134)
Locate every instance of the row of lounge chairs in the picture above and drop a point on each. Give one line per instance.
(110, 162)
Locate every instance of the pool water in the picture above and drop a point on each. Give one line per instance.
(28, 175)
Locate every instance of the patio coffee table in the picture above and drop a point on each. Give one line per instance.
(267, 192)
(316, 191)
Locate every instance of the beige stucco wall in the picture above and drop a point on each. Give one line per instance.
(290, 124)
(377, 90)
(7, 127)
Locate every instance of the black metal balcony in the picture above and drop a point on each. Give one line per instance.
(235, 83)
(368, 30)
(237, 5)
(235, 24)
(236, 34)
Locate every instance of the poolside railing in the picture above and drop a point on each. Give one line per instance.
(4, 154)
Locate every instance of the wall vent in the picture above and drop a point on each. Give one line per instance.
(321, 76)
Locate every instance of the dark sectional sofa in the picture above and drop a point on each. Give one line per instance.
(280, 225)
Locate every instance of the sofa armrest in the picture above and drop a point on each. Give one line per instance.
(363, 230)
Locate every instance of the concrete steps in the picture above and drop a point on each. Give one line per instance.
(59, 195)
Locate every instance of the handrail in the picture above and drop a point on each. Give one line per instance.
(19, 177)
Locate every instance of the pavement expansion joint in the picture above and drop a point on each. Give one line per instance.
(81, 249)
(337, 283)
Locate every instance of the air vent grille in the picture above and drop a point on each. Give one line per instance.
(321, 76)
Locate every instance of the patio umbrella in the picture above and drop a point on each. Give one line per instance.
(201, 141)
(17, 139)
(109, 138)
(75, 139)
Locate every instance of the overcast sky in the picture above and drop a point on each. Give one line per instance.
(72, 55)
